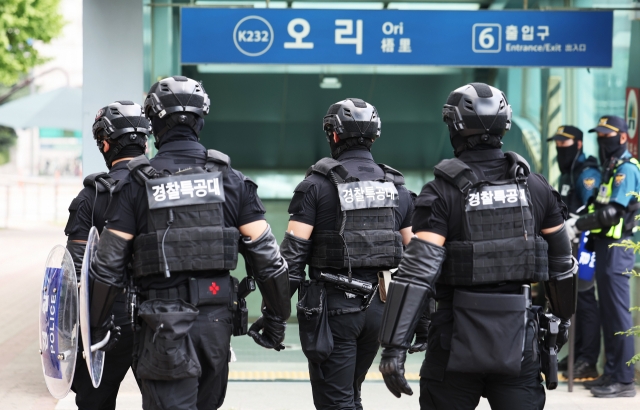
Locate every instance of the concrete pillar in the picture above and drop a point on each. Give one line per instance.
(633, 80)
(164, 41)
(112, 65)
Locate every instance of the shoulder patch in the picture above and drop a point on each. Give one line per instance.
(589, 183)
(619, 178)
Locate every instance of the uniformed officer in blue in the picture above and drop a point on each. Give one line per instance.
(486, 228)
(120, 130)
(349, 220)
(579, 179)
(180, 220)
(611, 219)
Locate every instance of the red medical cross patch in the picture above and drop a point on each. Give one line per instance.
(214, 288)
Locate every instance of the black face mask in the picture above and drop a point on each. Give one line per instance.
(566, 156)
(610, 147)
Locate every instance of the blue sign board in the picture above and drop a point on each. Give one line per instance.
(440, 38)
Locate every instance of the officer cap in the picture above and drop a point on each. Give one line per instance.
(567, 132)
(610, 123)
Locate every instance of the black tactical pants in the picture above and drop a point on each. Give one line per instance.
(116, 366)
(336, 382)
(587, 327)
(444, 390)
(211, 338)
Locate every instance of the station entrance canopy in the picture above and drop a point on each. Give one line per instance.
(390, 37)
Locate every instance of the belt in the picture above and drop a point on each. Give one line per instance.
(178, 292)
(334, 288)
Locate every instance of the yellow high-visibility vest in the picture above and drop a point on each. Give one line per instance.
(604, 196)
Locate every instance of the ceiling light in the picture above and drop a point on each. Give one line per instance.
(330, 82)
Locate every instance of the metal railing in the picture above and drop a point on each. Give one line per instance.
(28, 201)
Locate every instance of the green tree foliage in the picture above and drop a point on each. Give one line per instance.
(635, 247)
(7, 139)
(22, 24)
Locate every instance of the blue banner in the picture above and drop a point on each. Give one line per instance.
(586, 260)
(395, 37)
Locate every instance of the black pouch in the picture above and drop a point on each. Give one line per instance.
(313, 320)
(71, 226)
(211, 291)
(488, 333)
(241, 290)
(165, 348)
(241, 319)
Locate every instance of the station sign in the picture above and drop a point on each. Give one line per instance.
(397, 37)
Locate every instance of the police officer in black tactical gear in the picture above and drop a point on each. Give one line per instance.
(120, 130)
(349, 219)
(182, 216)
(486, 228)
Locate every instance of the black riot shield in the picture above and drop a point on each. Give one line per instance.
(91, 353)
(58, 322)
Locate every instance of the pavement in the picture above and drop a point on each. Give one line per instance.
(257, 377)
(280, 395)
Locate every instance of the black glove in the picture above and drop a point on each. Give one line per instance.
(563, 333)
(295, 251)
(422, 332)
(99, 333)
(392, 369)
(265, 263)
(272, 334)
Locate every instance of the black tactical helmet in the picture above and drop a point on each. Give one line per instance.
(476, 114)
(178, 100)
(352, 118)
(123, 123)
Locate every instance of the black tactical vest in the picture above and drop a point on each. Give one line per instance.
(567, 184)
(499, 242)
(186, 214)
(364, 234)
(104, 184)
(100, 181)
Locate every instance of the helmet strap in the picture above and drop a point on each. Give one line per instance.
(116, 148)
